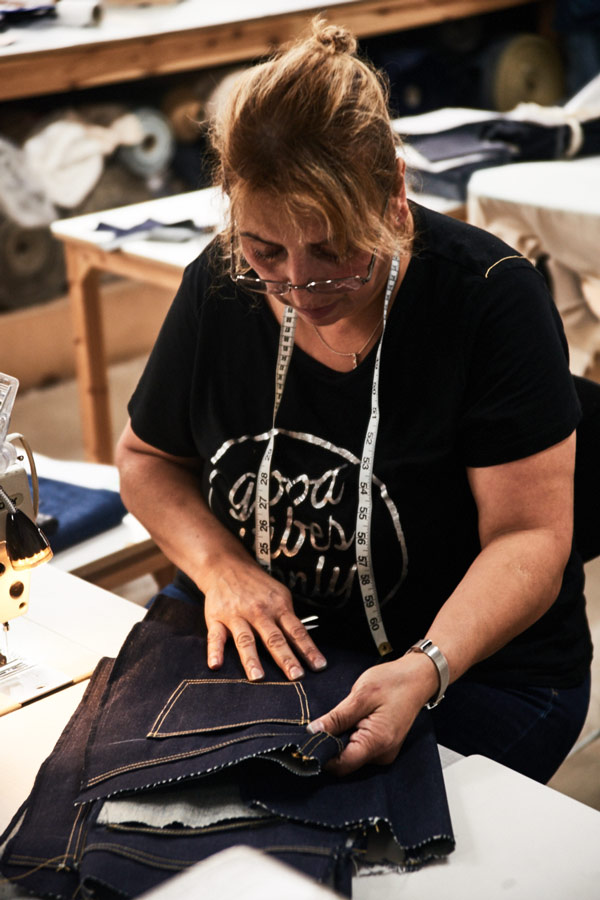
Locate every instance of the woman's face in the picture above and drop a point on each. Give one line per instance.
(280, 251)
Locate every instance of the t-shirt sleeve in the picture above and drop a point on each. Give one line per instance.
(160, 406)
(520, 397)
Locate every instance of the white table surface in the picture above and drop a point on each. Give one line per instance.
(73, 625)
(69, 626)
(204, 207)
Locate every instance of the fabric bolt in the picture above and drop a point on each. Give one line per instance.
(200, 721)
(44, 852)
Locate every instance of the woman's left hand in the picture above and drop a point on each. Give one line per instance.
(381, 708)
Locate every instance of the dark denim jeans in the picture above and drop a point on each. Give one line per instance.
(59, 848)
(529, 729)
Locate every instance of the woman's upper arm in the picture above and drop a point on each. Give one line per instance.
(130, 444)
(531, 493)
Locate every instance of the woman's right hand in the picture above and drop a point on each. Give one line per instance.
(242, 601)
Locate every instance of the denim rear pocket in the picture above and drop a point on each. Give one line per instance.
(202, 705)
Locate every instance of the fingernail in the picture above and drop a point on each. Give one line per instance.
(315, 727)
(296, 672)
(256, 674)
(319, 662)
(213, 662)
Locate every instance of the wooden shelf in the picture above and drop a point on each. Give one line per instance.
(88, 57)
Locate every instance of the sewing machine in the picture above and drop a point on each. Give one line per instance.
(22, 544)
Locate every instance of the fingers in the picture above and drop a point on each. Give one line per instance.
(300, 638)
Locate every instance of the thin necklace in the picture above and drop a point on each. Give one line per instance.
(353, 355)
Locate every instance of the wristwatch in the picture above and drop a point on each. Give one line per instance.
(439, 660)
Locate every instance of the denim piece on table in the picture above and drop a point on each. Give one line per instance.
(409, 796)
(165, 715)
(129, 863)
(43, 852)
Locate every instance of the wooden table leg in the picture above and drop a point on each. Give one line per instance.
(90, 358)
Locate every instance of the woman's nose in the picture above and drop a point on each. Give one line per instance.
(299, 270)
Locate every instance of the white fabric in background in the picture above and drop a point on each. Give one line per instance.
(551, 208)
(67, 156)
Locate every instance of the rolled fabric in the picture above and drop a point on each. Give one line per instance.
(116, 187)
(32, 266)
(153, 155)
(23, 196)
(184, 109)
(79, 13)
(521, 68)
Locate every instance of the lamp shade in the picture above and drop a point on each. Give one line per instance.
(26, 545)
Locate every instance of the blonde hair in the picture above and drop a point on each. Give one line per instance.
(311, 129)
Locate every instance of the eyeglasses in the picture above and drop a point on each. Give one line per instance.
(329, 286)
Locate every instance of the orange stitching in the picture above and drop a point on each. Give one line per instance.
(498, 261)
(183, 685)
(175, 756)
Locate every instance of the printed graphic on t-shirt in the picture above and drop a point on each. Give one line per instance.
(312, 506)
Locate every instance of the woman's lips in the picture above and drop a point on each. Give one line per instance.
(316, 313)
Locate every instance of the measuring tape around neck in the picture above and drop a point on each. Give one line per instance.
(362, 542)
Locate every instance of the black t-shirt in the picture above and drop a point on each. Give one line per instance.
(473, 372)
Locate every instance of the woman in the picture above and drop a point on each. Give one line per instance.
(360, 410)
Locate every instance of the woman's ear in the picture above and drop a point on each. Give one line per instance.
(399, 202)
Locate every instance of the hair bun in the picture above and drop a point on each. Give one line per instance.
(333, 38)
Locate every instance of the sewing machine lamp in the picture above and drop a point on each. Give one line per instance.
(22, 544)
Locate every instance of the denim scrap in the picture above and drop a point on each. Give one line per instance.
(406, 799)
(166, 716)
(44, 851)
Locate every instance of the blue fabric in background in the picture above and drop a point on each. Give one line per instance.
(80, 512)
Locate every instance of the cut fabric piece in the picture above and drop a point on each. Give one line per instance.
(406, 800)
(162, 689)
(130, 863)
(61, 845)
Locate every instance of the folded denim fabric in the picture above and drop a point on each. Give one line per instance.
(166, 716)
(405, 801)
(44, 850)
(80, 512)
(127, 863)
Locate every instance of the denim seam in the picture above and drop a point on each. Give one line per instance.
(190, 831)
(144, 764)
(140, 856)
(75, 828)
(183, 685)
(317, 740)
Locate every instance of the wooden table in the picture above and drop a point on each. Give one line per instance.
(133, 43)
(155, 262)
